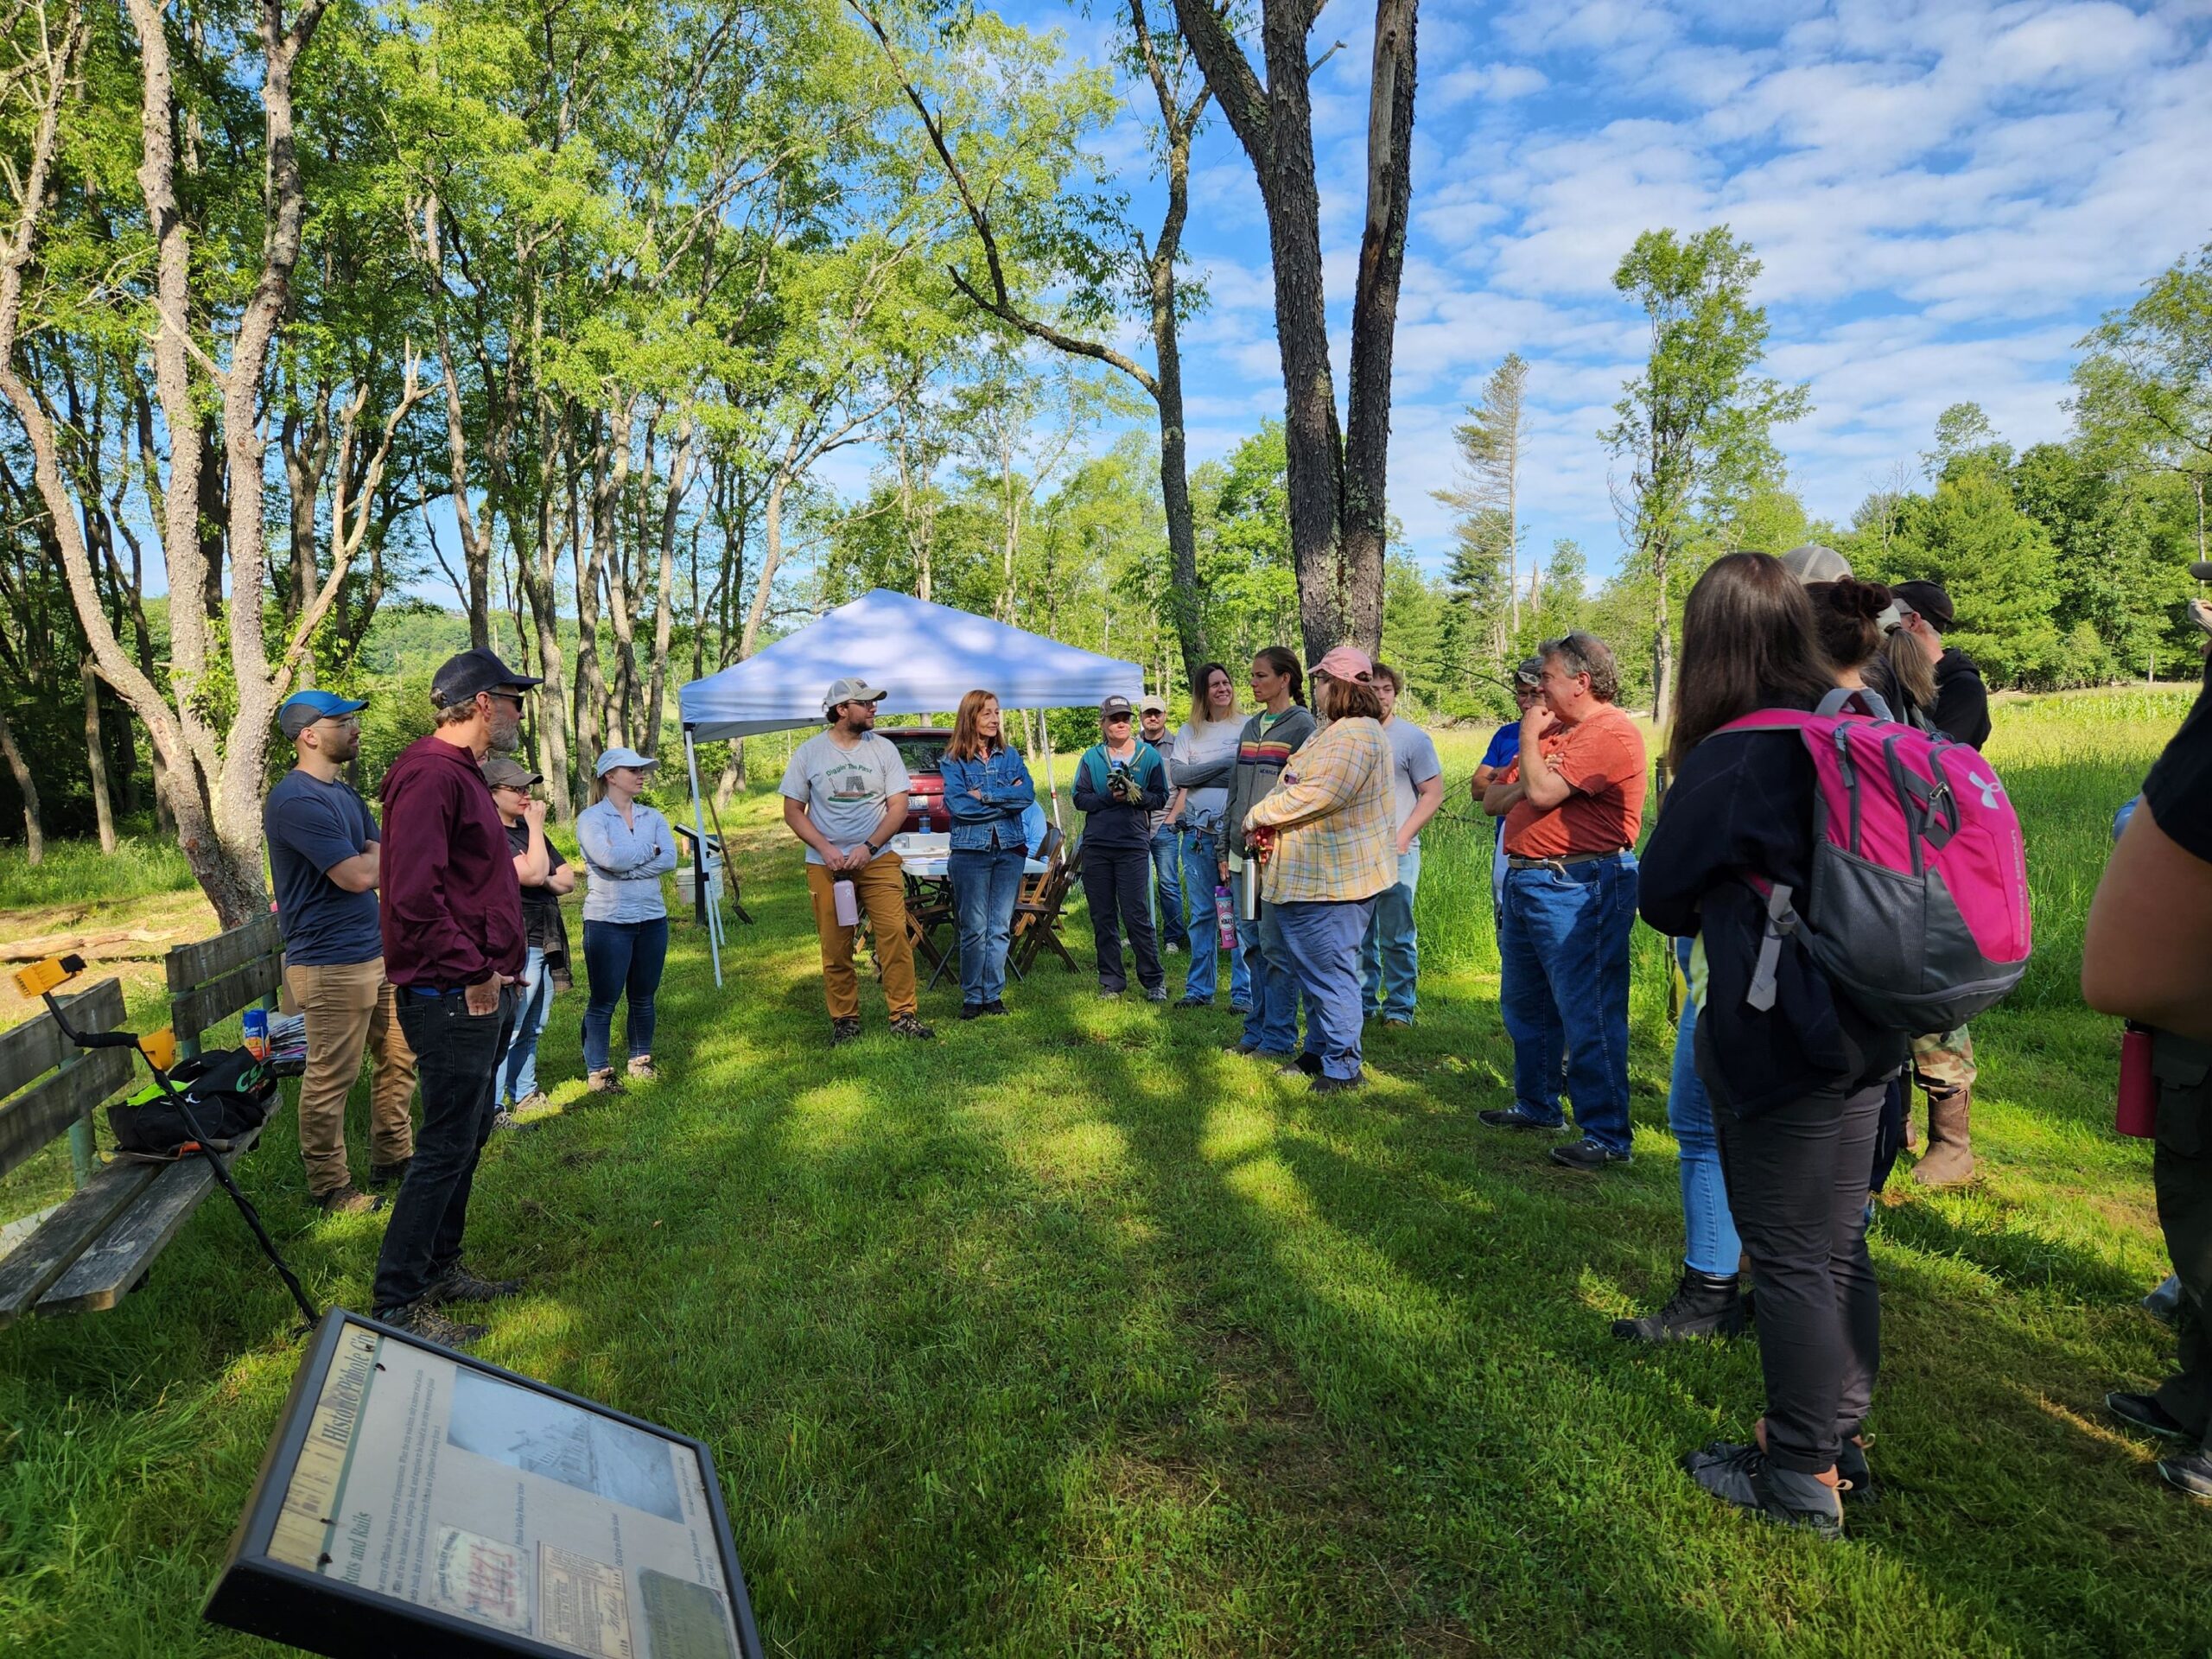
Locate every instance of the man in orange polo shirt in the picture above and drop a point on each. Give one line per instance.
(1573, 804)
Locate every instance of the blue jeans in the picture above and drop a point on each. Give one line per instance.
(1272, 1025)
(1709, 1240)
(985, 886)
(457, 1062)
(1323, 939)
(1563, 962)
(1392, 947)
(1201, 857)
(1165, 862)
(533, 1009)
(620, 959)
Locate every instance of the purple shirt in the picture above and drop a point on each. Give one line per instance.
(452, 906)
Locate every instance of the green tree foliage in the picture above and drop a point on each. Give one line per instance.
(2143, 396)
(1695, 428)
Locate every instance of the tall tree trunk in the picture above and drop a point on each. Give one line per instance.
(1375, 322)
(1663, 644)
(27, 786)
(679, 481)
(96, 757)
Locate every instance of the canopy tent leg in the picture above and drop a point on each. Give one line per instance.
(701, 872)
(1052, 787)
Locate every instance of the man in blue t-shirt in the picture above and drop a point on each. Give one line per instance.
(324, 859)
(1505, 749)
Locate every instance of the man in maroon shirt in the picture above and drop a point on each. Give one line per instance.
(452, 945)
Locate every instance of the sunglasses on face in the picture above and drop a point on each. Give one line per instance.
(1117, 720)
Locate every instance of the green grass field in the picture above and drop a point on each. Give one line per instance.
(1069, 1334)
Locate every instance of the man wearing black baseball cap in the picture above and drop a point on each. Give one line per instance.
(324, 854)
(454, 944)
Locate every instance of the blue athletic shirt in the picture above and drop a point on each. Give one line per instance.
(311, 826)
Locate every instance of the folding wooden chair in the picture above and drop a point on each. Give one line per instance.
(1037, 921)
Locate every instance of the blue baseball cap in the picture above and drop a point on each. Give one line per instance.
(302, 708)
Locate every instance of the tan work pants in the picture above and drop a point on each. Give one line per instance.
(350, 1005)
(881, 889)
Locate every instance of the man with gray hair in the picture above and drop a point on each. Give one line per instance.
(1573, 801)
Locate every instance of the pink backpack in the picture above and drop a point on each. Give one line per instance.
(1919, 907)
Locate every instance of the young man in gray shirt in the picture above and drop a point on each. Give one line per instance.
(845, 798)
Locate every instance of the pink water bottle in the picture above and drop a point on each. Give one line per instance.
(1224, 916)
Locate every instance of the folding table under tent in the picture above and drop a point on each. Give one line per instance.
(925, 656)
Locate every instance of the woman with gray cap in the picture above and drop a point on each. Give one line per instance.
(627, 847)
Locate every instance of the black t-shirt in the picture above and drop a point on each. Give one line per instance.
(2180, 790)
(312, 827)
(541, 905)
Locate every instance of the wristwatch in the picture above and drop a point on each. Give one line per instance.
(873, 849)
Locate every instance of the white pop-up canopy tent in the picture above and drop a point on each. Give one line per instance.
(926, 657)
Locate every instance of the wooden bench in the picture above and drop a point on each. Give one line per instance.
(95, 1248)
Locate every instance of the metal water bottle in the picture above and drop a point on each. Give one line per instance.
(848, 903)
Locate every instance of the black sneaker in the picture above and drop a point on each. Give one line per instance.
(1194, 1002)
(420, 1319)
(389, 1174)
(844, 1031)
(2192, 1473)
(907, 1026)
(1302, 1065)
(971, 1010)
(1512, 1117)
(460, 1285)
(2143, 1411)
(1588, 1156)
(1703, 1305)
(1741, 1475)
(1242, 1049)
(1327, 1085)
(994, 1007)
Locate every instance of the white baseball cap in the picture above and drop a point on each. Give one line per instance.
(610, 759)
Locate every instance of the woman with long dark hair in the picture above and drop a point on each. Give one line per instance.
(1263, 749)
(1797, 1084)
(987, 791)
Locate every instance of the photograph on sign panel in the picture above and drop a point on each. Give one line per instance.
(544, 1436)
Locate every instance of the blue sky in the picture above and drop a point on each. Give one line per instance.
(1946, 198)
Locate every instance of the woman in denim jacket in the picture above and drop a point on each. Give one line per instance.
(987, 790)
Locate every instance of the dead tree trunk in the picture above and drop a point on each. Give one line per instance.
(96, 758)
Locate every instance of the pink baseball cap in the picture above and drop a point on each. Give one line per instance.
(1344, 663)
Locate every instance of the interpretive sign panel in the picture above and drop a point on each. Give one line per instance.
(418, 1501)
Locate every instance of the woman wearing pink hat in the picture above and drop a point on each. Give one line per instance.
(1329, 834)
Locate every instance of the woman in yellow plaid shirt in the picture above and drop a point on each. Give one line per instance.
(1328, 832)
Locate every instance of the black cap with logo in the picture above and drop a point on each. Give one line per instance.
(463, 677)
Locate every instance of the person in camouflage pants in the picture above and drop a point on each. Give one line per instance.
(1942, 1064)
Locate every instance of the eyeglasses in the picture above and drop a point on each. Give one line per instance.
(340, 719)
(1117, 720)
(515, 697)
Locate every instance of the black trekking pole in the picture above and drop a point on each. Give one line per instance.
(41, 980)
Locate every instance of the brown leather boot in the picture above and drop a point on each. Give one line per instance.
(1948, 1161)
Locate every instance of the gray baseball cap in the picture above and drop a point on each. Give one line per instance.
(851, 688)
(1812, 563)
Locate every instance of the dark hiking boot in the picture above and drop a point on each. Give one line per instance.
(420, 1319)
(1242, 1050)
(349, 1201)
(1328, 1086)
(971, 1010)
(1948, 1161)
(389, 1174)
(844, 1031)
(1194, 1002)
(1703, 1305)
(1852, 1471)
(2191, 1473)
(1741, 1475)
(1588, 1156)
(2143, 1411)
(907, 1026)
(460, 1285)
(1302, 1065)
(994, 1008)
(1512, 1117)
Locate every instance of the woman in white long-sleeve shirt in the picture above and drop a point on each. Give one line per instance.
(627, 847)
